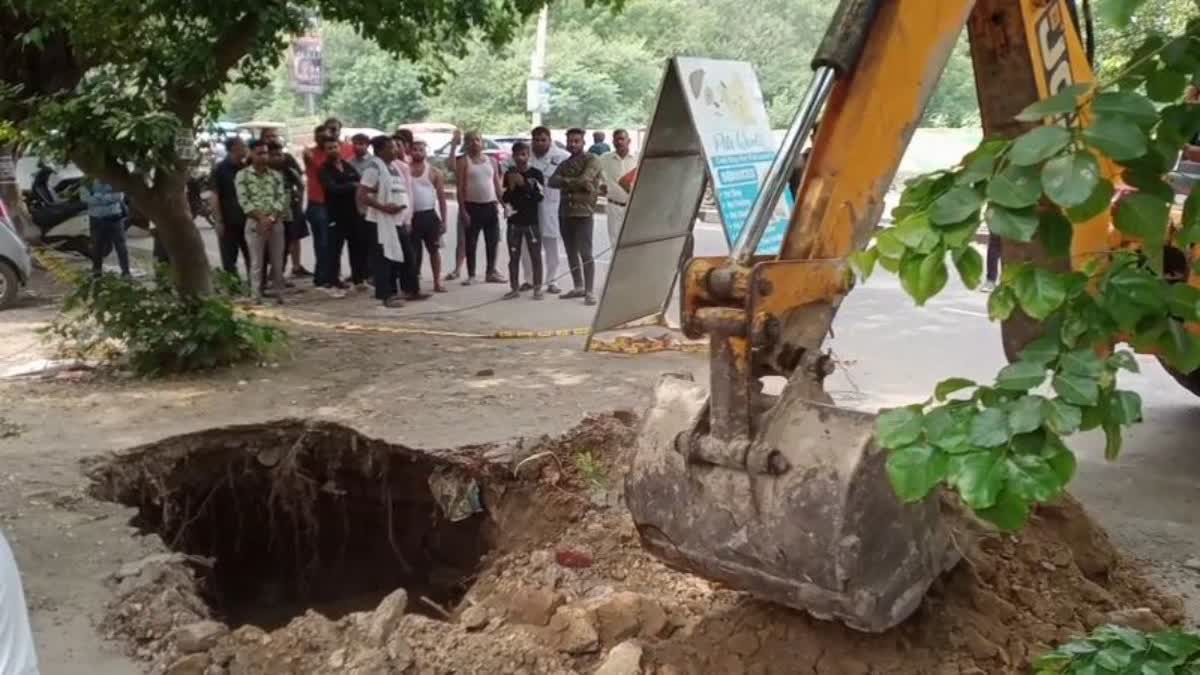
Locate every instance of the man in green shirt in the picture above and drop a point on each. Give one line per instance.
(262, 195)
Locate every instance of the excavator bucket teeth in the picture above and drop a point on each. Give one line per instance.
(827, 535)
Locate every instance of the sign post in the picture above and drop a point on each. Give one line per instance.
(307, 72)
(710, 122)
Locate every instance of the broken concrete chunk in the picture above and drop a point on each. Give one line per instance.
(624, 659)
(386, 617)
(474, 617)
(200, 636)
(192, 664)
(573, 631)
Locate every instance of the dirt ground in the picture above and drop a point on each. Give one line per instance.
(566, 587)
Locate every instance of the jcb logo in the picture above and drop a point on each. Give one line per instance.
(1056, 58)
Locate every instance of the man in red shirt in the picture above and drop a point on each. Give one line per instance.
(324, 276)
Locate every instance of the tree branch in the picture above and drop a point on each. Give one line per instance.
(184, 99)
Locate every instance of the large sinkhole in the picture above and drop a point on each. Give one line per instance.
(297, 515)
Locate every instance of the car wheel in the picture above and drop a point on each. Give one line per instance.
(10, 283)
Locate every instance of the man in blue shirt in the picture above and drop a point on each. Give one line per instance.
(106, 217)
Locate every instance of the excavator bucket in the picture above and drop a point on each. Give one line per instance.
(828, 536)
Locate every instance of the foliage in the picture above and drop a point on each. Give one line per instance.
(592, 471)
(116, 86)
(603, 67)
(1114, 649)
(1000, 445)
(158, 330)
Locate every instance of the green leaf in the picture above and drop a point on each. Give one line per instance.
(1026, 414)
(989, 429)
(1183, 301)
(1039, 291)
(948, 428)
(1070, 179)
(1124, 360)
(1055, 232)
(1179, 348)
(946, 387)
(916, 233)
(1041, 351)
(1125, 407)
(1001, 303)
(1113, 658)
(957, 236)
(1010, 512)
(914, 470)
(1015, 224)
(888, 245)
(969, 264)
(1165, 86)
(924, 276)
(980, 162)
(955, 206)
(863, 262)
(1120, 138)
(979, 477)
(1097, 203)
(1128, 105)
(1063, 462)
(1149, 182)
(1119, 12)
(899, 427)
(1033, 479)
(1021, 376)
(1143, 216)
(1076, 389)
(1016, 187)
(1157, 668)
(1176, 643)
(1062, 417)
(1037, 145)
(1082, 362)
(1189, 224)
(1063, 103)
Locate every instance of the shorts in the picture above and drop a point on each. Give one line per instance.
(427, 228)
(296, 228)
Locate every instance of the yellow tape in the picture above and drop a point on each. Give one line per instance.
(392, 329)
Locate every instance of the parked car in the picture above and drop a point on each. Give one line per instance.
(15, 265)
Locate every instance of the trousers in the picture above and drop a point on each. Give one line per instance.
(392, 276)
(485, 220)
(530, 237)
(264, 244)
(577, 239)
(549, 260)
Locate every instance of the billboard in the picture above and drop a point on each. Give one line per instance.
(307, 73)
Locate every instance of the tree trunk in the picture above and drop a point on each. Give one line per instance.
(10, 195)
(167, 206)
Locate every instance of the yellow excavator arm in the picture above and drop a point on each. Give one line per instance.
(787, 496)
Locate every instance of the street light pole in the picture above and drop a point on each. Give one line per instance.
(537, 68)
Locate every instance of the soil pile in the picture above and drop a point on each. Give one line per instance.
(566, 588)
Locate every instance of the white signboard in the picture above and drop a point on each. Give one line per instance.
(730, 117)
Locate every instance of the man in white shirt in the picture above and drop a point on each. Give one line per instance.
(615, 165)
(17, 654)
(545, 158)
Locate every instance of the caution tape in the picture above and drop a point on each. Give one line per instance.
(394, 329)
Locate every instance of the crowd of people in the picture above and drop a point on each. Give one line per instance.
(381, 202)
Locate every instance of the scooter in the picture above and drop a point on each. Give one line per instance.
(58, 212)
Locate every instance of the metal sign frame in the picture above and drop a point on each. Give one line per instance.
(723, 100)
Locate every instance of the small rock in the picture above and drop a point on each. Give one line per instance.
(624, 659)
(1192, 564)
(626, 614)
(192, 664)
(474, 617)
(541, 558)
(533, 606)
(486, 372)
(573, 631)
(573, 559)
(368, 662)
(1141, 618)
(337, 659)
(386, 617)
(215, 669)
(199, 637)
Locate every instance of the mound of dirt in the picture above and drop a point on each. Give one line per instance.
(564, 587)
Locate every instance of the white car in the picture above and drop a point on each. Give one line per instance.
(15, 265)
